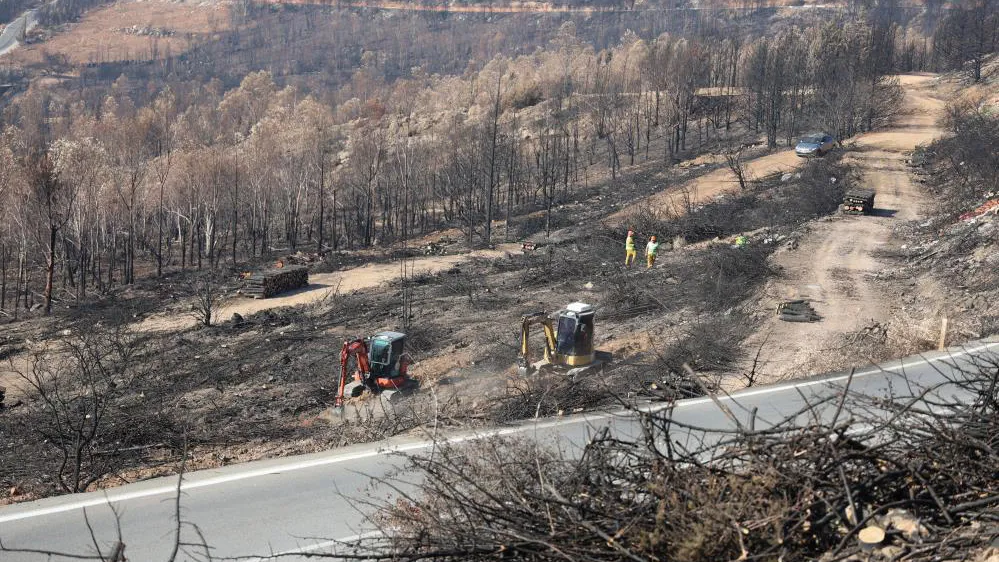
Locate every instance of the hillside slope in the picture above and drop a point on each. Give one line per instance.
(835, 265)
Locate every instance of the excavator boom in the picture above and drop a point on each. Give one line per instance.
(529, 320)
(359, 350)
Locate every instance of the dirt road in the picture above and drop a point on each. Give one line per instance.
(322, 285)
(709, 186)
(833, 265)
(9, 38)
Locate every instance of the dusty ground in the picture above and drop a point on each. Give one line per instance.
(518, 7)
(327, 285)
(711, 185)
(109, 33)
(835, 264)
(702, 189)
(259, 388)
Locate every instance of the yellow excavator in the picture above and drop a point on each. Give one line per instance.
(568, 341)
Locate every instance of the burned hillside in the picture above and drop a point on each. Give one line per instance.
(262, 384)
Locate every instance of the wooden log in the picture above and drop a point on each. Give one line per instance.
(798, 310)
(272, 282)
(858, 201)
(870, 537)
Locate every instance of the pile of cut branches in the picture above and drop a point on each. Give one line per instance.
(921, 468)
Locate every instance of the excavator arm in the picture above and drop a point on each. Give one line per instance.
(542, 319)
(359, 350)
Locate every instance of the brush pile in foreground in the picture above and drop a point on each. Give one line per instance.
(922, 469)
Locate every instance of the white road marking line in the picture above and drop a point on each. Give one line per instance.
(855, 430)
(410, 447)
(318, 546)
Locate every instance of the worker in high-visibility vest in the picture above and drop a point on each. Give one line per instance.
(629, 249)
(650, 252)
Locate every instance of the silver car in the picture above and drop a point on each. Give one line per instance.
(814, 145)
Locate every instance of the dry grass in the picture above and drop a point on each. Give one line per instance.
(791, 491)
(99, 36)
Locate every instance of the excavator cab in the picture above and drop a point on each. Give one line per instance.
(385, 354)
(574, 334)
(568, 341)
(382, 368)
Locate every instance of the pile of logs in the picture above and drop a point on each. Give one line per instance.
(438, 248)
(858, 202)
(435, 249)
(797, 311)
(301, 258)
(270, 282)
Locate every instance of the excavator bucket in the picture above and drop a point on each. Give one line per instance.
(525, 369)
(353, 389)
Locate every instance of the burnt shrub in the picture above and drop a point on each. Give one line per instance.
(547, 395)
(966, 170)
(771, 203)
(706, 345)
(711, 279)
(719, 277)
(535, 223)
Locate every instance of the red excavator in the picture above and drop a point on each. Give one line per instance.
(382, 366)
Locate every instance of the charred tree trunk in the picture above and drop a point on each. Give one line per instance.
(50, 267)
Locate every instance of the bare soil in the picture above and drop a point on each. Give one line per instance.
(711, 185)
(323, 286)
(262, 387)
(509, 7)
(835, 265)
(102, 36)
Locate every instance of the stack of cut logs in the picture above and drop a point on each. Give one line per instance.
(797, 311)
(270, 282)
(858, 202)
(435, 249)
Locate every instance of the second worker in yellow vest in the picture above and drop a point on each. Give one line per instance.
(629, 249)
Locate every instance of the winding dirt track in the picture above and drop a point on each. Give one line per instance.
(831, 267)
(322, 285)
(699, 190)
(834, 264)
(709, 186)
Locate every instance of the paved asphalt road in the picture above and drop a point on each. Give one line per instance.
(11, 33)
(296, 504)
